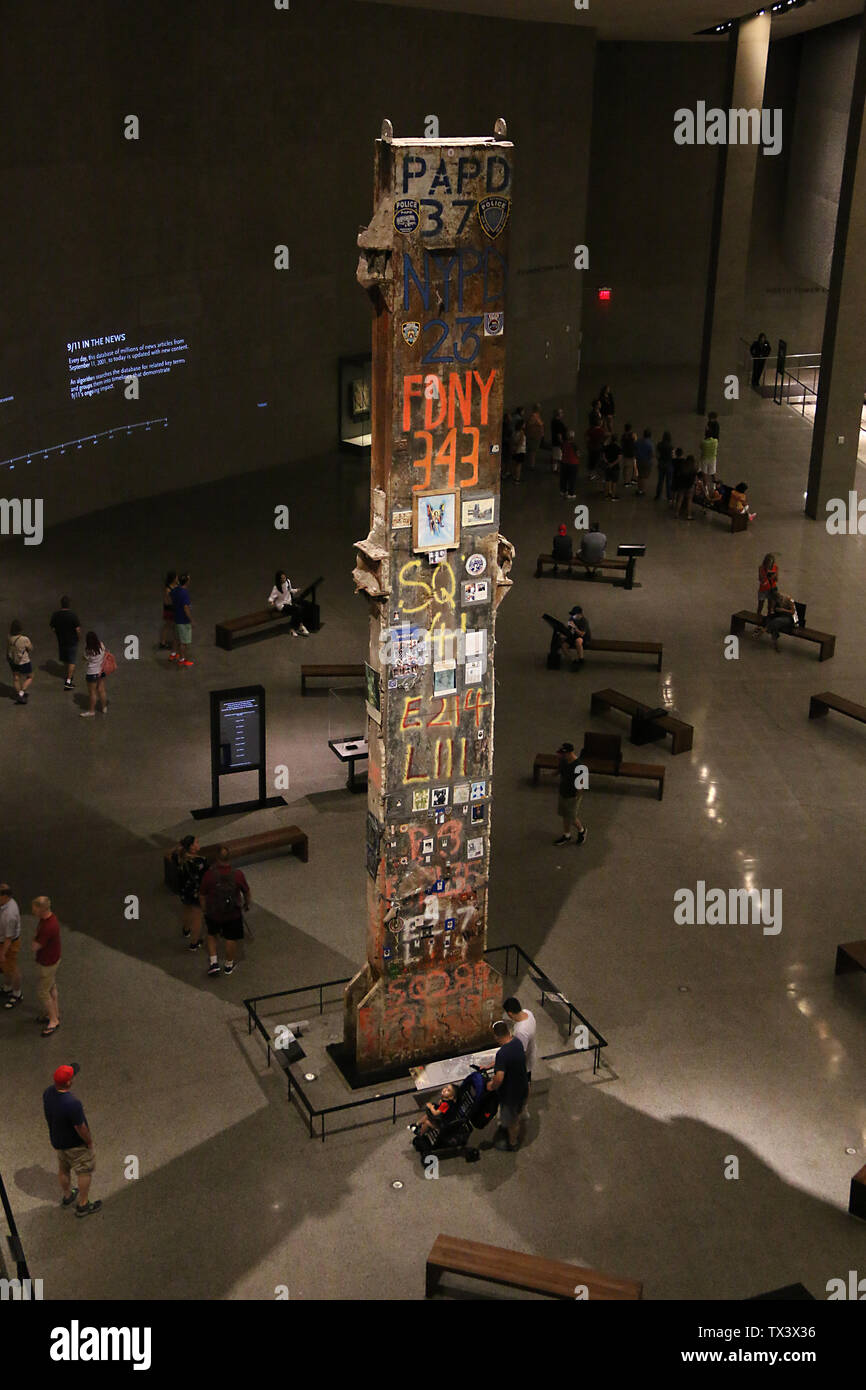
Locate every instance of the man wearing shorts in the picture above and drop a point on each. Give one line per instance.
(509, 1079)
(569, 797)
(46, 946)
(180, 602)
(10, 945)
(67, 630)
(71, 1140)
(224, 898)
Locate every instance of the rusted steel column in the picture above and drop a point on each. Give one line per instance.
(433, 570)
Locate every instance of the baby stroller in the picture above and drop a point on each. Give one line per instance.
(473, 1108)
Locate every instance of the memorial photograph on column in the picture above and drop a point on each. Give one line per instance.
(365, 939)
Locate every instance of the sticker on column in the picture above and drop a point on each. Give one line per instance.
(476, 564)
(475, 591)
(410, 331)
(438, 797)
(420, 800)
(478, 791)
(401, 520)
(494, 324)
(407, 215)
(480, 511)
(461, 793)
(475, 848)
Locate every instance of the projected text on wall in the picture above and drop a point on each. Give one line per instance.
(99, 364)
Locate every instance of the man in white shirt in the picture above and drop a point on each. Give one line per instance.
(10, 944)
(523, 1027)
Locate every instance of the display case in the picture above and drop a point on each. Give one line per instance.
(355, 386)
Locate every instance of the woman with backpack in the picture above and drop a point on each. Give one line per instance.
(19, 653)
(96, 657)
(191, 869)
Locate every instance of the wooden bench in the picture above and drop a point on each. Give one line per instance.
(607, 644)
(682, 734)
(820, 704)
(739, 520)
(825, 640)
(250, 846)
(605, 767)
(588, 567)
(517, 1270)
(226, 632)
(328, 672)
(850, 956)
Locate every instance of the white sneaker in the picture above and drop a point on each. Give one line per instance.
(304, 631)
(293, 632)
(87, 714)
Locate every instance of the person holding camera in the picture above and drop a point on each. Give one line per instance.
(569, 797)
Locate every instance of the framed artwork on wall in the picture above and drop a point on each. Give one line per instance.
(435, 521)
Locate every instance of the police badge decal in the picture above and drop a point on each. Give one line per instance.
(410, 331)
(493, 214)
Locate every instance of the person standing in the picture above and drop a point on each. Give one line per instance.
(46, 948)
(10, 945)
(19, 654)
(611, 467)
(166, 632)
(685, 475)
(182, 608)
(523, 1027)
(534, 435)
(712, 430)
(568, 467)
(71, 1140)
(558, 436)
(595, 437)
(768, 585)
(569, 797)
(665, 456)
(628, 443)
(224, 898)
(509, 1079)
(191, 869)
(518, 445)
(709, 455)
(67, 630)
(645, 452)
(94, 655)
(605, 400)
(760, 351)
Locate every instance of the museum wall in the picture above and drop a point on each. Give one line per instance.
(256, 128)
(818, 148)
(651, 202)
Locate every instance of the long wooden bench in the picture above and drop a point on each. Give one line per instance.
(850, 956)
(248, 847)
(682, 734)
(328, 671)
(605, 767)
(739, 520)
(825, 640)
(226, 631)
(608, 644)
(517, 1270)
(588, 567)
(819, 705)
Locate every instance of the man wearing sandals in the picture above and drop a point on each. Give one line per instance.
(46, 946)
(71, 1140)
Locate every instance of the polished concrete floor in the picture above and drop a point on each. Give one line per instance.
(723, 1041)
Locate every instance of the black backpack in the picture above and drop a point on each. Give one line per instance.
(224, 897)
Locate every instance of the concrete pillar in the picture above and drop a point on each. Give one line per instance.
(432, 571)
(748, 45)
(833, 464)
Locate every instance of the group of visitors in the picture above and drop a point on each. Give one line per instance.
(66, 626)
(214, 898)
(46, 951)
(783, 614)
(522, 437)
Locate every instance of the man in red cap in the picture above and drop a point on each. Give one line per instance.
(71, 1139)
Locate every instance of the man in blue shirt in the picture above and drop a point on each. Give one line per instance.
(71, 1139)
(180, 602)
(509, 1079)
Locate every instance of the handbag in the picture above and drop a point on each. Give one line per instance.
(109, 665)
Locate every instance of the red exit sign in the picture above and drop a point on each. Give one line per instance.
(604, 294)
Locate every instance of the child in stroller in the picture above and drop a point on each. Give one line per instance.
(448, 1124)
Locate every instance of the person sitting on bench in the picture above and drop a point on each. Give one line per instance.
(783, 619)
(738, 501)
(437, 1112)
(562, 546)
(578, 634)
(592, 544)
(281, 601)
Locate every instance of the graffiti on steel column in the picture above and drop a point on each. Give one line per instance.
(434, 259)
